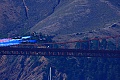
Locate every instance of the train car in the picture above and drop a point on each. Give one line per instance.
(16, 41)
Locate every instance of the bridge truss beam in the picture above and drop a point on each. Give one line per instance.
(59, 52)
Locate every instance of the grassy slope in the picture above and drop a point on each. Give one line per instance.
(76, 16)
(15, 21)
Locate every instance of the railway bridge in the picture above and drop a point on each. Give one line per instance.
(95, 47)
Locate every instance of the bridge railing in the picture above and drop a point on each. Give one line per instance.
(59, 52)
(97, 43)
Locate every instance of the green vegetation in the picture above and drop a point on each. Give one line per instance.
(83, 68)
(96, 44)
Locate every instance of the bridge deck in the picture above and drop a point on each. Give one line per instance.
(59, 52)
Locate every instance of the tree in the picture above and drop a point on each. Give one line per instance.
(103, 44)
(94, 44)
(78, 45)
(85, 44)
(111, 45)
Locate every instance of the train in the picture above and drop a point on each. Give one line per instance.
(16, 41)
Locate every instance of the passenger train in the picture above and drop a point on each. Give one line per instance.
(16, 41)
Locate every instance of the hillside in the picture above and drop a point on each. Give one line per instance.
(16, 20)
(13, 67)
(73, 16)
(67, 20)
(56, 16)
